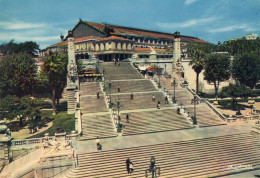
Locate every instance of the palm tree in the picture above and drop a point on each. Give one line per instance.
(197, 53)
(55, 65)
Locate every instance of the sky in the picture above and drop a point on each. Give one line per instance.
(43, 21)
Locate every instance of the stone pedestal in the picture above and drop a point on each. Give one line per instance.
(5, 142)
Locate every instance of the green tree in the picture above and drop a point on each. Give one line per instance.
(242, 46)
(42, 86)
(18, 72)
(55, 66)
(24, 107)
(29, 47)
(217, 69)
(245, 68)
(198, 54)
(234, 91)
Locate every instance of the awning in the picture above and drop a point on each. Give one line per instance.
(152, 69)
(91, 75)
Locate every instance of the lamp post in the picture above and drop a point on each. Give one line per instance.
(159, 75)
(195, 100)
(174, 83)
(153, 169)
(109, 87)
(118, 107)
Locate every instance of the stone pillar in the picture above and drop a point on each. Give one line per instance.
(72, 77)
(5, 142)
(177, 48)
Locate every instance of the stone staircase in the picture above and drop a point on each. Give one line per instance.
(207, 157)
(96, 119)
(153, 121)
(90, 104)
(21, 164)
(140, 101)
(98, 126)
(89, 88)
(71, 101)
(123, 72)
(128, 86)
(183, 97)
(205, 116)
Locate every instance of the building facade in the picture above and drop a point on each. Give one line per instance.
(108, 42)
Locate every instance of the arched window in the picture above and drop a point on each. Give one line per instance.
(102, 47)
(113, 45)
(124, 46)
(129, 46)
(119, 46)
(108, 46)
(97, 47)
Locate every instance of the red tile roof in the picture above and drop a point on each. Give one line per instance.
(142, 49)
(163, 50)
(86, 38)
(114, 38)
(76, 40)
(119, 30)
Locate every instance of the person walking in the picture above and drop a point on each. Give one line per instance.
(97, 95)
(127, 118)
(178, 111)
(153, 98)
(128, 165)
(118, 88)
(131, 96)
(166, 100)
(131, 167)
(158, 105)
(99, 147)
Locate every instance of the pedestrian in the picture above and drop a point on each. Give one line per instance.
(178, 110)
(128, 165)
(131, 166)
(166, 100)
(153, 98)
(127, 118)
(97, 95)
(158, 105)
(99, 147)
(118, 88)
(114, 61)
(131, 96)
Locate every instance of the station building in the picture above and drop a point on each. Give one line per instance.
(108, 42)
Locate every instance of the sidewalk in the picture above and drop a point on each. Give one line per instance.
(161, 137)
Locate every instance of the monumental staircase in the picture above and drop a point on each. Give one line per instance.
(206, 157)
(98, 118)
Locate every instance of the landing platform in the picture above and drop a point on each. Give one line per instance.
(120, 142)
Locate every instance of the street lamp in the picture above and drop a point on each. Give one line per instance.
(174, 83)
(118, 106)
(195, 100)
(153, 169)
(109, 87)
(159, 75)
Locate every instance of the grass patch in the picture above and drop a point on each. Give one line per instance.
(206, 95)
(61, 120)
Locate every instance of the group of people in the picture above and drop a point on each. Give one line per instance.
(159, 103)
(117, 61)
